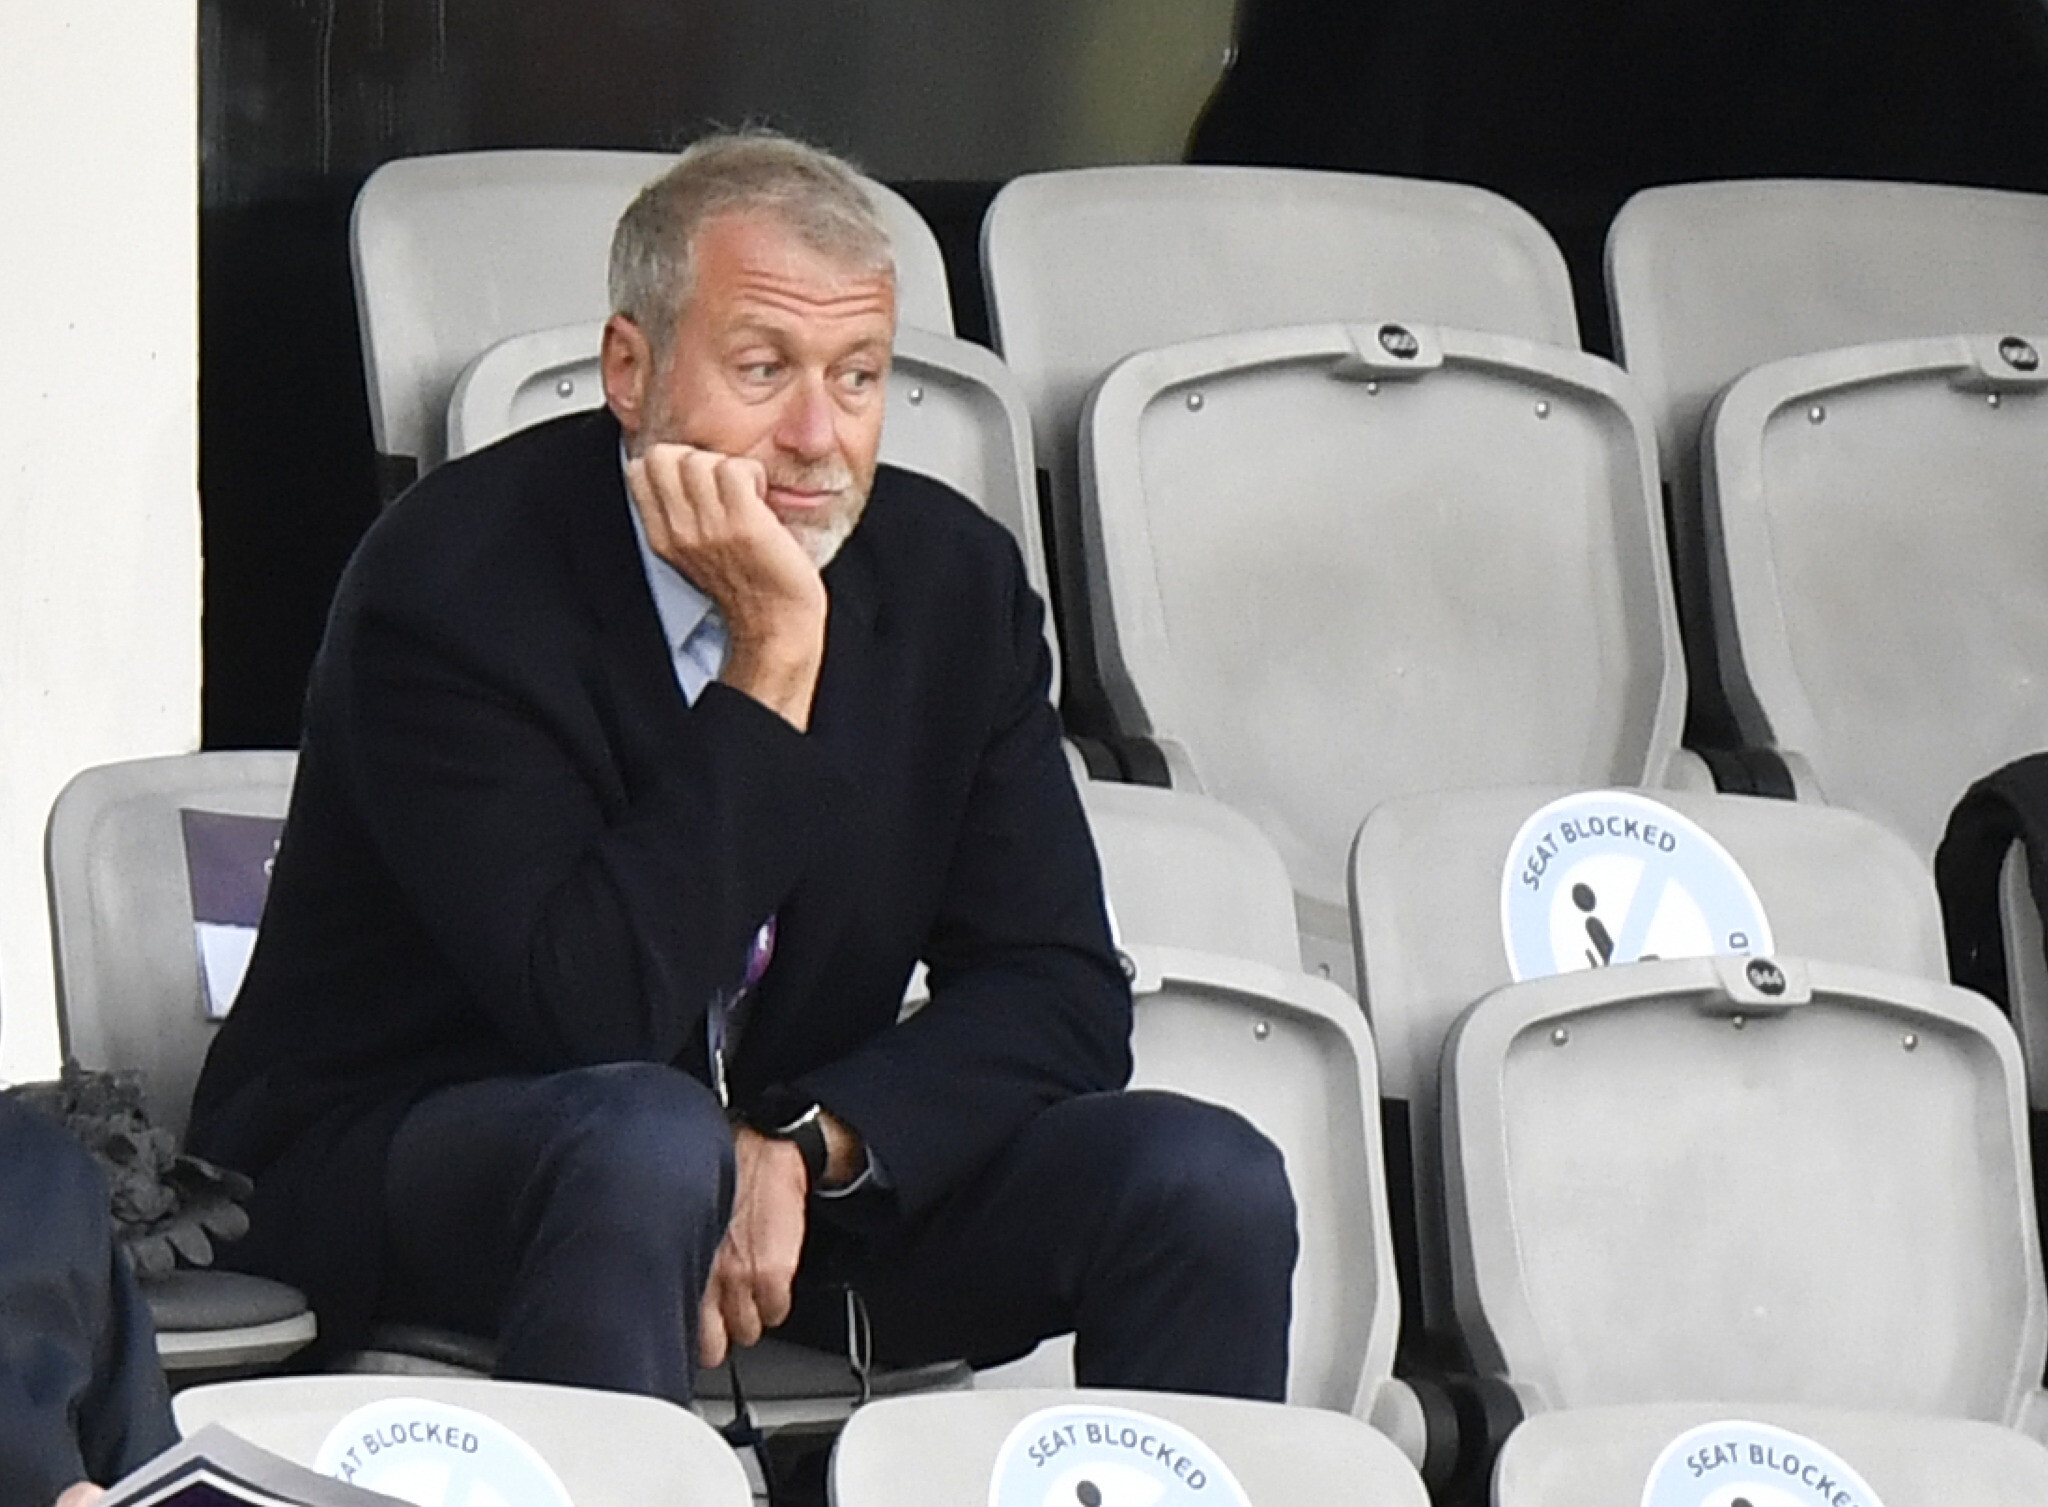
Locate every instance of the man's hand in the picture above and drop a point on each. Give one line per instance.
(751, 1277)
(80, 1495)
(707, 514)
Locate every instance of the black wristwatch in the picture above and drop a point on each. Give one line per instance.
(784, 1114)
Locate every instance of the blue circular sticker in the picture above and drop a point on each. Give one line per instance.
(1610, 876)
(1074, 1455)
(1738, 1464)
(435, 1454)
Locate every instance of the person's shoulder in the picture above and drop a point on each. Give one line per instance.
(917, 522)
(510, 508)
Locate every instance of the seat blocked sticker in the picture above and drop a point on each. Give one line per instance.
(1610, 876)
(1738, 1464)
(1075, 1455)
(438, 1455)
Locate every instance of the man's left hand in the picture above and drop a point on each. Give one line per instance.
(753, 1273)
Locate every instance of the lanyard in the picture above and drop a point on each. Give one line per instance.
(726, 1018)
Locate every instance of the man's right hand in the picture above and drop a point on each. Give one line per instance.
(753, 1274)
(707, 514)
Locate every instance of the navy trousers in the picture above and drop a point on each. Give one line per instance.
(575, 1217)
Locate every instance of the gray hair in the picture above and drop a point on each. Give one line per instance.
(818, 196)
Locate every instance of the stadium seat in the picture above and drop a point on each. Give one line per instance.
(1708, 1181)
(1745, 1184)
(1086, 266)
(609, 1449)
(132, 984)
(1590, 1455)
(1182, 870)
(1426, 888)
(954, 412)
(1707, 280)
(1877, 518)
(455, 252)
(1338, 563)
(941, 1451)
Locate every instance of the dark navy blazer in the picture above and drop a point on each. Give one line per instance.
(513, 848)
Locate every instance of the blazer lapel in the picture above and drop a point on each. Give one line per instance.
(847, 700)
(643, 708)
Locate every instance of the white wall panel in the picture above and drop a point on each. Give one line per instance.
(99, 512)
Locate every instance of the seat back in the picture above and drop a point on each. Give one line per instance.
(455, 252)
(1183, 870)
(1087, 266)
(953, 412)
(949, 1445)
(610, 1449)
(1736, 1180)
(1880, 598)
(130, 972)
(1339, 563)
(1426, 886)
(1707, 280)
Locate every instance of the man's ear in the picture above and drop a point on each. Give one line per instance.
(627, 361)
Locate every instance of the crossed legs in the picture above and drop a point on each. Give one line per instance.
(576, 1216)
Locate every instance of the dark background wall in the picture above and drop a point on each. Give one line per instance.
(1569, 106)
(1565, 105)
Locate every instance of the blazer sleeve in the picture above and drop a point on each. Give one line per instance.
(1029, 1004)
(590, 912)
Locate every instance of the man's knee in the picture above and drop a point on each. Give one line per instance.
(632, 1139)
(1206, 1175)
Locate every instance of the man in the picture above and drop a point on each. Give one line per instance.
(82, 1397)
(645, 755)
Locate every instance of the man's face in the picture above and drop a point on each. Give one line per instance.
(780, 354)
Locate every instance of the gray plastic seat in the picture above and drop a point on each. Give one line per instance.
(1087, 266)
(610, 1449)
(1661, 1193)
(1746, 1185)
(1707, 280)
(1879, 598)
(940, 1451)
(455, 252)
(953, 412)
(131, 994)
(1182, 870)
(1334, 564)
(1426, 883)
(1591, 1455)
